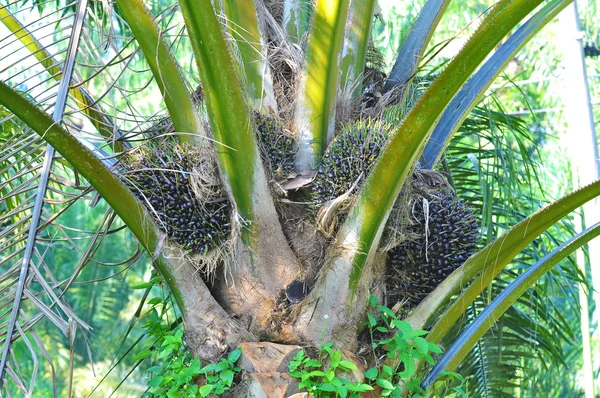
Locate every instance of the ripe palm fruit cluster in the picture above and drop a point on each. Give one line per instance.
(277, 146)
(163, 178)
(348, 158)
(445, 234)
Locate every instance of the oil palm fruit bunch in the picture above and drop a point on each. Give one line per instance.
(170, 179)
(444, 234)
(348, 159)
(277, 146)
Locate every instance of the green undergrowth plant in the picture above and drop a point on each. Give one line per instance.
(390, 339)
(322, 376)
(175, 373)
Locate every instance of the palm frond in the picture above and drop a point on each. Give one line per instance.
(59, 108)
(50, 200)
(487, 171)
(467, 339)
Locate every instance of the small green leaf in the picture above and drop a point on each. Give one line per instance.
(328, 387)
(155, 300)
(234, 355)
(348, 365)
(404, 327)
(387, 370)
(359, 387)
(419, 332)
(205, 390)
(329, 375)
(227, 377)
(156, 380)
(173, 393)
(429, 359)
(311, 363)
(385, 384)
(372, 320)
(211, 367)
(434, 348)
(373, 301)
(372, 373)
(421, 345)
(195, 366)
(316, 373)
(299, 356)
(166, 352)
(222, 365)
(386, 311)
(142, 354)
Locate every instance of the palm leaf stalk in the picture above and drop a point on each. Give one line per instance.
(413, 47)
(502, 251)
(475, 88)
(57, 116)
(315, 112)
(354, 50)
(240, 166)
(176, 271)
(491, 260)
(491, 371)
(488, 263)
(242, 20)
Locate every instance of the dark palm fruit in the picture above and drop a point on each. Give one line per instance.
(277, 147)
(349, 158)
(160, 178)
(447, 234)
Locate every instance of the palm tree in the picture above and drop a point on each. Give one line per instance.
(220, 186)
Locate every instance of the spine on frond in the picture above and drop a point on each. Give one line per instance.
(164, 69)
(356, 41)
(315, 111)
(245, 30)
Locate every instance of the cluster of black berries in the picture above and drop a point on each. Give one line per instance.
(348, 158)
(277, 147)
(447, 234)
(161, 181)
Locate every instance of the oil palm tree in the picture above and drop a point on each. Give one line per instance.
(224, 193)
